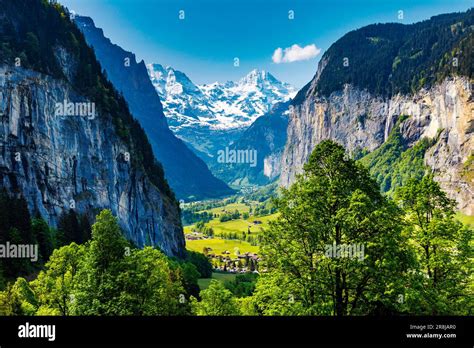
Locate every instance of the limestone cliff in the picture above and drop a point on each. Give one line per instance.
(67, 137)
(56, 161)
(391, 71)
(359, 120)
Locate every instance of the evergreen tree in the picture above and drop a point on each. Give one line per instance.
(68, 228)
(85, 228)
(201, 262)
(44, 236)
(20, 219)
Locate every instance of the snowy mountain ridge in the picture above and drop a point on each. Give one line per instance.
(216, 106)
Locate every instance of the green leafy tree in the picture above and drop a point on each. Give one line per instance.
(18, 299)
(55, 286)
(335, 202)
(116, 279)
(444, 250)
(108, 244)
(104, 277)
(146, 288)
(97, 290)
(275, 294)
(216, 300)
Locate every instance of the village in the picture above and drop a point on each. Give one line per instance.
(228, 233)
(245, 263)
(227, 261)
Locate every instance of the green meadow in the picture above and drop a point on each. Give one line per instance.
(219, 245)
(239, 225)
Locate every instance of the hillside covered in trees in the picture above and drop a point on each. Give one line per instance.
(387, 59)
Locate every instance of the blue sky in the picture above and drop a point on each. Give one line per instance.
(214, 32)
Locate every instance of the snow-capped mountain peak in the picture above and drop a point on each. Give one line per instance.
(217, 105)
(170, 81)
(257, 78)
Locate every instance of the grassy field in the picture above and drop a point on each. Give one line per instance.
(220, 245)
(204, 282)
(465, 219)
(240, 225)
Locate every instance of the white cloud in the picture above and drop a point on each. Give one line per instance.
(277, 55)
(295, 53)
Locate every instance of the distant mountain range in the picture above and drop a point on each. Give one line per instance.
(212, 117)
(217, 106)
(187, 174)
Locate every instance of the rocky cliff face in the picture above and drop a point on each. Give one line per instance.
(266, 137)
(58, 162)
(360, 120)
(373, 75)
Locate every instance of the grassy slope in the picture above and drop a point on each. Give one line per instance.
(239, 225)
(466, 219)
(394, 163)
(220, 245)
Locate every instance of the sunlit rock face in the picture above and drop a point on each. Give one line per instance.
(57, 162)
(359, 120)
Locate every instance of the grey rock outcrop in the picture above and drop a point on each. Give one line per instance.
(57, 162)
(359, 120)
